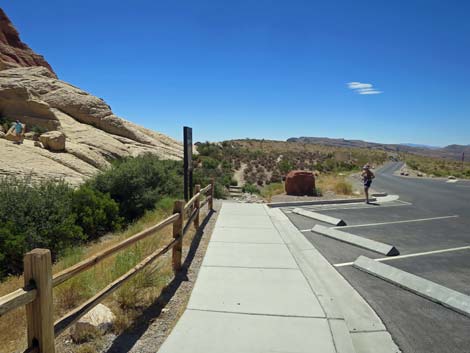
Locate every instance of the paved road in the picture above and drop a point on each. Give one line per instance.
(431, 215)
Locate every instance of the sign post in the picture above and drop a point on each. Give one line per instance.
(188, 162)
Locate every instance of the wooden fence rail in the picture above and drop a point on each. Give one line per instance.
(36, 295)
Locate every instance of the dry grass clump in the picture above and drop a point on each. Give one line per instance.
(333, 183)
(126, 303)
(271, 190)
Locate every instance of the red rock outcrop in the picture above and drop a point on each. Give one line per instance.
(300, 183)
(15, 53)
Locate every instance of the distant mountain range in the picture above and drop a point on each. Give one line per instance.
(417, 145)
(450, 152)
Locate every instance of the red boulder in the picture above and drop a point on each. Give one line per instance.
(300, 183)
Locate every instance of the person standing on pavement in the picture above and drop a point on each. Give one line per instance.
(367, 177)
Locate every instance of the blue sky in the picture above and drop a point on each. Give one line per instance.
(266, 69)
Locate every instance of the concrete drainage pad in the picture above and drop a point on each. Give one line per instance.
(447, 297)
(319, 217)
(372, 245)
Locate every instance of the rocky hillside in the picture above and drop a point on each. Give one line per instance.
(449, 152)
(80, 133)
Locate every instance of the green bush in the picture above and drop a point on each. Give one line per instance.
(38, 129)
(251, 189)
(209, 163)
(96, 213)
(137, 184)
(318, 192)
(285, 166)
(34, 215)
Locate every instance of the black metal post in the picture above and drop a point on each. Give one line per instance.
(188, 162)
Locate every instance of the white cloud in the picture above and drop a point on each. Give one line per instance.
(363, 88)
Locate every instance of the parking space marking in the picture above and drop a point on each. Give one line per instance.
(467, 247)
(355, 206)
(404, 202)
(397, 222)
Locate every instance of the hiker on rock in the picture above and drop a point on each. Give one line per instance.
(19, 132)
(367, 177)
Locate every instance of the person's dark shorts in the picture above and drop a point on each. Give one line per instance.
(367, 183)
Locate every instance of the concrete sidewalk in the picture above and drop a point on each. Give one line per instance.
(256, 292)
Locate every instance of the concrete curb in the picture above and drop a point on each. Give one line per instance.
(372, 245)
(447, 297)
(316, 202)
(343, 305)
(320, 217)
(379, 194)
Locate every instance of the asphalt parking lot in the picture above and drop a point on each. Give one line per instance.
(434, 243)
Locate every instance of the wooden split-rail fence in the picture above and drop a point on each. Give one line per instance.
(39, 281)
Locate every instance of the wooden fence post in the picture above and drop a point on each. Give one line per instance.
(197, 204)
(40, 313)
(211, 201)
(178, 234)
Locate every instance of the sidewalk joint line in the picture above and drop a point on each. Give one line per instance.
(258, 314)
(253, 267)
(244, 242)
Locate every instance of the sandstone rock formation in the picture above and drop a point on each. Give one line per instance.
(53, 141)
(94, 136)
(300, 183)
(13, 52)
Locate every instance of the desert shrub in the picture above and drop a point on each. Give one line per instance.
(35, 215)
(203, 178)
(97, 213)
(251, 189)
(272, 189)
(285, 166)
(38, 129)
(318, 191)
(209, 163)
(343, 187)
(275, 177)
(137, 184)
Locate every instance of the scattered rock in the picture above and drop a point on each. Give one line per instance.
(2, 135)
(300, 183)
(38, 144)
(53, 141)
(451, 177)
(99, 319)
